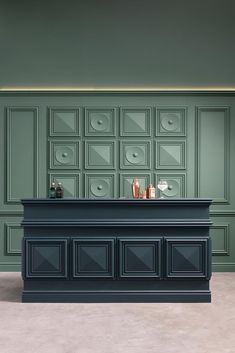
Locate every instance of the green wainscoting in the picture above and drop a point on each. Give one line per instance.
(96, 143)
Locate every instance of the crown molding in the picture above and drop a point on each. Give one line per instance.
(117, 91)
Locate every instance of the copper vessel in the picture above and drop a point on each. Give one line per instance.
(150, 192)
(144, 195)
(136, 188)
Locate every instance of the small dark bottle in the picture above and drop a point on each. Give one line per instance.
(59, 191)
(52, 191)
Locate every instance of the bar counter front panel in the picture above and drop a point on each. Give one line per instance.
(116, 250)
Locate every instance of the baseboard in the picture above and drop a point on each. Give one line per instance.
(29, 296)
(222, 267)
(10, 267)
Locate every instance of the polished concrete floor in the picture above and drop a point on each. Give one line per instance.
(118, 328)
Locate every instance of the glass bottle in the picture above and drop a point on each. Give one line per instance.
(52, 191)
(59, 191)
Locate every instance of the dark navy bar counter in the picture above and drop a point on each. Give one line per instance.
(116, 250)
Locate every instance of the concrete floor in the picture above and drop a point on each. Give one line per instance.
(117, 328)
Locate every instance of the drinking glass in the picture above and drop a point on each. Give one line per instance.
(162, 185)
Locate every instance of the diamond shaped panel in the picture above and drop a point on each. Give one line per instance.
(46, 258)
(170, 155)
(64, 121)
(99, 155)
(70, 183)
(93, 257)
(126, 180)
(140, 257)
(135, 122)
(187, 257)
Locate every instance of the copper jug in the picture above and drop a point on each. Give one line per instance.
(150, 192)
(136, 188)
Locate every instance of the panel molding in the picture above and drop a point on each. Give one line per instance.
(77, 113)
(66, 175)
(148, 115)
(97, 189)
(9, 110)
(226, 229)
(171, 176)
(56, 159)
(171, 110)
(176, 143)
(199, 109)
(94, 242)
(140, 242)
(222, 213)
(123, 179)
(8, 226)
(97, 127)
(133, 149)
(60, 243)
(112, 154)
(202, 243)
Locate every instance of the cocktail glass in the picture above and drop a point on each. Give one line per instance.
(162, 185)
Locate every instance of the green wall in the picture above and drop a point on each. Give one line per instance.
(124, 43)
(97, 143)
(121, 44)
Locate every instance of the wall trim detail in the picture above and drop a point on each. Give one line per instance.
(226, 111)
(225, 251)
(9, 110)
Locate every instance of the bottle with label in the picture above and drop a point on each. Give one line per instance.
(52, 191)
(59, 191)
(151, 192)
(136, 188)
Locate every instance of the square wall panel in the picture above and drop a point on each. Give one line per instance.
(13, 238)
(170, 155)
(171, 121)
(46, 257)
(100, 121)
(135, 154)
(176, 185)
(64, 121)
(99, 154)
(135, 122)
(126, 180)
(70, 183)
(99, 185)
(64, 154)
(93, 257)
(187, 257)
(220, 239)
(140, 257)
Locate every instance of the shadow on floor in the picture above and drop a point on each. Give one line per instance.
(11, 286)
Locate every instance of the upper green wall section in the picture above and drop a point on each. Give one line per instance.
(124, 43)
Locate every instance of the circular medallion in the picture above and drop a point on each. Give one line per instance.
(99, 122)
(172, 190)
(99, 188)
(134, 155)
(64, 155)
(170, 122)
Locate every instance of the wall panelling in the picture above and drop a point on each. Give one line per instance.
(95, 144)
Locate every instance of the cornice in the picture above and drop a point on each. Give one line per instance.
(116, 91)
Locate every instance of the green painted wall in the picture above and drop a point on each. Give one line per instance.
(124, 43)
(96, 144)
